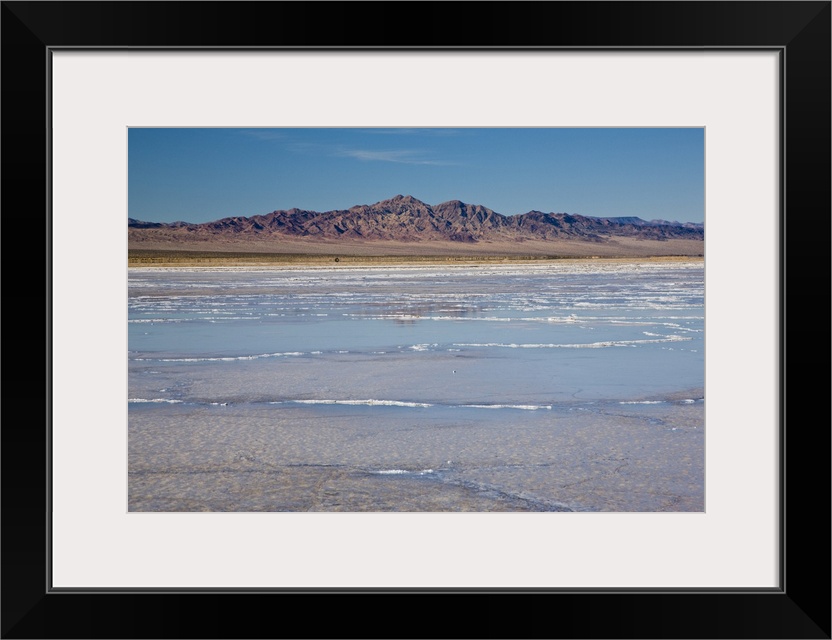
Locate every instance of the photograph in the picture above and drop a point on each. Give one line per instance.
(415, 304)
(458, 319)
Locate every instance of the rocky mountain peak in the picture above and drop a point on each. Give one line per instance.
(405, 218)
(400, 199)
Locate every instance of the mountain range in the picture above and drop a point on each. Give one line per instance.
(406, 219)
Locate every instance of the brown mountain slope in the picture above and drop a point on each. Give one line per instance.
(405, 222)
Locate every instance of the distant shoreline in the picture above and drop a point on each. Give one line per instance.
(150, 258)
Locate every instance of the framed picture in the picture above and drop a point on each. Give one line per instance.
(77, 76)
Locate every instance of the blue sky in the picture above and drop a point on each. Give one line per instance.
(201, 174)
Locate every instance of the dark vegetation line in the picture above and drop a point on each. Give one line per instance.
(147, 257)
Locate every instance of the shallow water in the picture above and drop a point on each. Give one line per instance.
(571, 387)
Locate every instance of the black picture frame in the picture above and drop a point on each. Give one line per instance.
(799, 608)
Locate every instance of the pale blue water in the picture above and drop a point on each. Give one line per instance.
(344, 358)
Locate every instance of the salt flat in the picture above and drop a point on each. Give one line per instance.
(530, 387)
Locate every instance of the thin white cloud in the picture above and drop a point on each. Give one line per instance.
(398, 156)
(264, 134)
(401, 156)
(403, 131)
